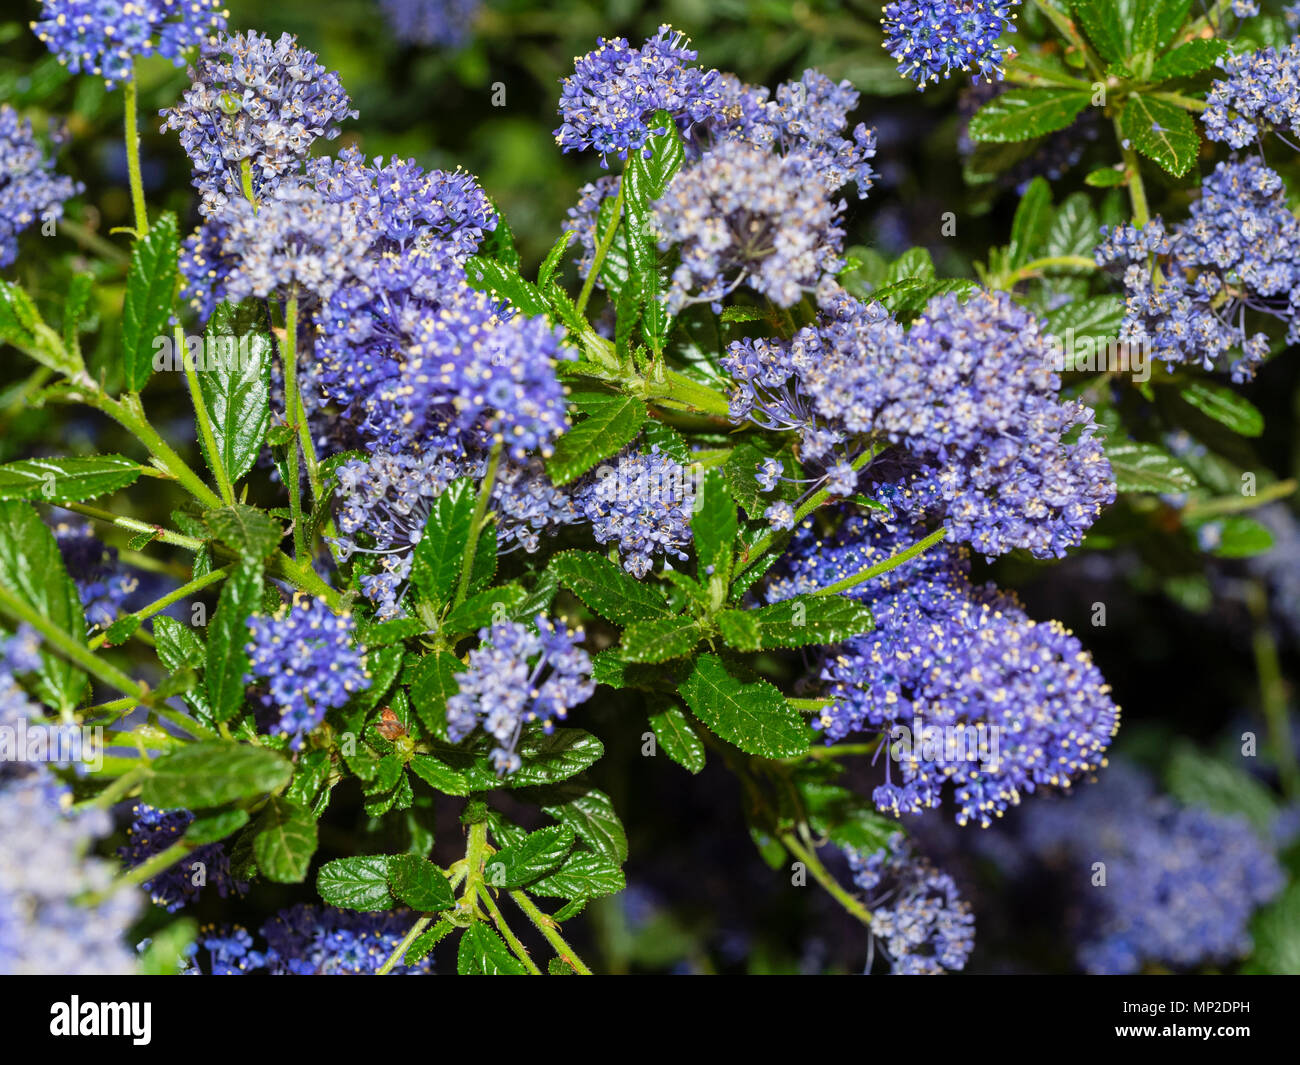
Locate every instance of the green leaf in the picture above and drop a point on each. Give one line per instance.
(419, 883)
(482, 953)
(534, 856)
(442, 777)
(755, 717)
(213, 828)
(607, 589)
(1146, 468)
(285, 841)
(31, 567)
(713, 528)
(1225, 406)
(1169, 17)
(436, 561)
(612, 421)
(796, 622)
(251, 533)
(1276, 934)
(740, 470)
(1020, 114)
(227, 661)
(660, 639)
(547, 759)
(1031, 222)
(237, 391)
(211, 773)
(178, 646)
(1161, 131)
(1190, 58)
(1099, 316)
(1106, 177)
(479, 610)
(432, 683)
(489, 275)
(1074, 229)
(70, 480)
(22, 326)
(552, 260)
(679, 741)
(847, 818)
(150, 294)
(1199, 780)
(591, 815)
(359, 883)
(1105, 27)
(584, 876)
(1234, 536)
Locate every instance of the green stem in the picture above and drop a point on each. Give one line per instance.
(476, 527)
(128, 412)
(204, 422)
(520, 951)
(1031, 269)
(547, 926)
(602, 249)
(1236, 504)
(1187, 103)
(133, 157)
(885, 566)
(833, 887)
(1137, 191)
(391, 961)
(288, 353)
(167, 536)
(146, 870)
(159, 605)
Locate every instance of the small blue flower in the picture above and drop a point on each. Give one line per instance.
(29, 188)
(933, 38)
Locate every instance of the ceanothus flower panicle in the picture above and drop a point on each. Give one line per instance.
(1260, 93)
(964, 406)
(103, 37)
(45, 868)
(1238, 251)
(151, 832)
(256, 103)
(304, 655)
(919, 919)
(932, 38)
(102, 584)
(614, 91)
(1021, 700)
(1182, 882)
(643, 505)
(29, 188)
(518, 675)
(431, 22)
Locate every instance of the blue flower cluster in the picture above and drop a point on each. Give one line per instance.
(515, 676)
(151, 832)
(103, 37)
(431, 22)
(932, 38)
(1005, 705)
(614, 91)
(924, 926)
(307, 940)
(45, 868)
(643, 505)
(962, 412)
(255, 103)
(1181, 882)
(102, 584)
(29, 188)
(19, 653)
(1238, 251)
(1260, 93)
(385, 502)
(304, 653)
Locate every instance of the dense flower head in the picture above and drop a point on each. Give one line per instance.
(918, 917)
(1182, 882)
(384, 503)
(932, 38)
(310, 940)
(447, 23)
(1021, 701)
(1238, 250)
(103, 37)
(151, 832)
(518, 675)
(45, 868)
(254, 101)
(607, 103)
(966, 401)
(1259, 93)
(304, 654)
(642, 504)
(29, 188)
(103, 585)
(748, 215)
